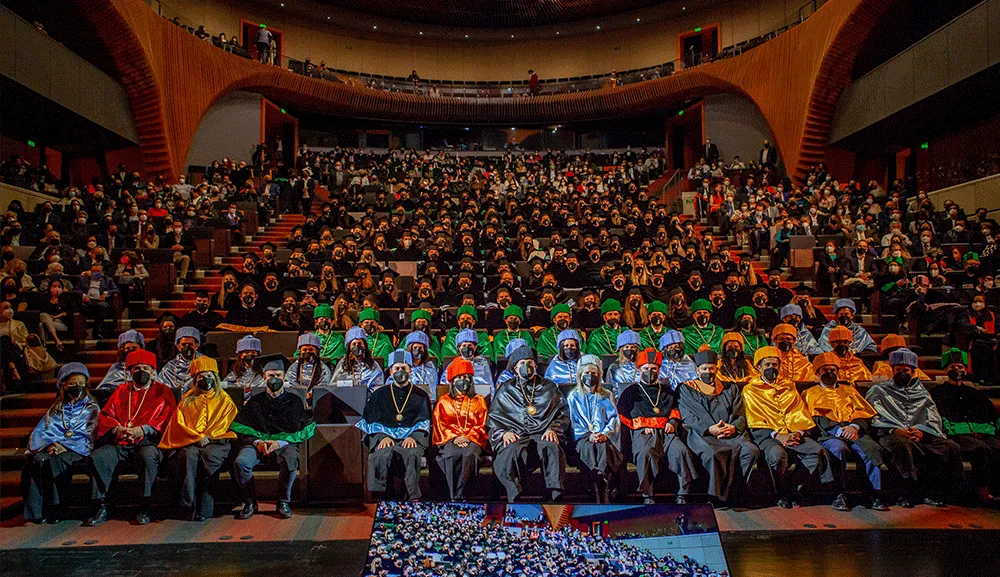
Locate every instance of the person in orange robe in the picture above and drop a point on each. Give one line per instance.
(734, 366)
(882, 371)
(197, 438)
(459, 429)
(852, 369)
(794, 365)
(779, 422)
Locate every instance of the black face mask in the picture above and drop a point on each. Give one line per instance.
(649, 377)
(746, 325)
(707, 378)
(418, 356)
(785, 346)
(901, 379)
(526, 371)
(514, 324)
(308, 357)
(562, 324)
(841, 350)
(229, 286)
(570, 354)
(732, 353)
(467, 352)
(358, 350)
(829, 379)
(462, 384)
(589, 381)
(274, 383)
(717, 302)
(956, 375)
(630, 355)
(771, 374)
(75, 391)
(187, 353)
(844, 320)
(201, 308)
(204, 383)
(248, 300)
(401, 377)
(674, 354)
(289, 308)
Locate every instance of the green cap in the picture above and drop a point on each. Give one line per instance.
(701, 305)
(420, 314)
(743, 311)
(610, 305)
(467, 310)
(323, 311)
(656, 307)
(369, 314)
(954, 355)
(513, 311)
(559, 308)
(971, 256)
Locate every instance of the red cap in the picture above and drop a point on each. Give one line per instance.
(140, 357)
(460, 367)
(649, 356)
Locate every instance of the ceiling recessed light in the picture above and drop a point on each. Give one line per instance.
(327, 17)
(511, 35)
(282, 4)
(598, 27)
(557, 34)
(374, 27)
(421, 33)
(684, 8)
(466, 35)
(638, 19)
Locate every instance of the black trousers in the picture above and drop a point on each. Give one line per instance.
(459, 465)
(649, 451)
(41, 480)
(105, 460)
(247, 458)
(983, 453)
(809, 454)
(933, 464)
(725, 460)
(196, 470)
(599, 458)
(382, 461)
(513, 463)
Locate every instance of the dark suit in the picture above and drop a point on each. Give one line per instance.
(711, 152)
(768, 157)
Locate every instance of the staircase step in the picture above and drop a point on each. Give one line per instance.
(14, 437)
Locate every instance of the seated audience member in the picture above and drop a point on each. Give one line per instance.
(245, 373)
(513, 317)
(249, 314)
(701, 331)
(163, 345)
(794, 365)
(271, 426)
(779, 422)
(805, 342)
(423, 372)
(397, 430)
(649, 410)
(98, 291)
(379, 343)
(420, 321)
(467, 342)
(596, 427)
(746, 324)
(528, 415)
(970, 419)
(467, 317)
(858, 271)
(734, 365)
(623, 371)
(61, 440)
(289, 316)
(882, 371)
(459, 429)
(129, 427)
(852, 368)
(677, 367)
(331, 342)
(713, 416)
(844, 420)
(844, 310)
(358, 368)
(562, 367)
(176, 372)
(651, 334)
(196, 440)
(128, 341)
(909, 427)
(603, 339)
(561, 317)
(309, 370)
(506, 374)
(202, 317)
(978, 330)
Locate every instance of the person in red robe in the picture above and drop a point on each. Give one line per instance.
(459, 432)
(128, 429)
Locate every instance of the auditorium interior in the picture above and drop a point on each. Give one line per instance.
(669, 275)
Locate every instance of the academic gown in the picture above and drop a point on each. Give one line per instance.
(303, 374)
(484, 346)
(425, 376)
(734, 375)
(176, 373)
(795, 367)
(833, 409)
(650, 338)
(370, 376)
(695, 337)
(379, 421)
(116, 375)
(676, 372)
(883, 372)
(603, 340)
(642, 407)
(862, 340)
(806, 343)
(454, 417)
(621, 374)
(547, 346)
(331, 346)
(595, 413)
(970, 419)
(560, 371)
(853, 369)
(504, 336)
(380, 345)
(482, 372)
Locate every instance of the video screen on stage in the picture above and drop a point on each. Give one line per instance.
(497, 539)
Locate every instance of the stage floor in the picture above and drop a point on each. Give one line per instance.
(810, 541)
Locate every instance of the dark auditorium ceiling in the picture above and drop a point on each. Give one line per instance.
(491, 13)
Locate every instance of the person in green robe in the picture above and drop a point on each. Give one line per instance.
(420, 320)
(331, 342)
(604, 339)
(379, 343)
(513, 316)
(650, 335)
(561, 317)
(746, 322)
(467, 317)
(702, 331)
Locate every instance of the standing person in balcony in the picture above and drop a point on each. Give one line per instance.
(533, 84)
(264, 37)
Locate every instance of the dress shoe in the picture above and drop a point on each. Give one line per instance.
(249, 508)
(680, 500)
(784, 503)
(840, 503)
(904, 503)
(100, 516)
(142, 518)
(284, 510)
(197, 518)
(934, 502)
(878, 505)
(648, 500)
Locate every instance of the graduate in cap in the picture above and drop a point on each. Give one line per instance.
(423, 372)
(197, 438)
(844, 420)
(734, 365)
(459, 434)
(650, 335)
(358, 368)
(420, 321)
(271, 426)
(245, 372)
(712, 411)
(881, 371)
(128, 341)
(805, 342)
(467, 317)
(623, 371)
(794, 365)
(746, 323)
(562, 367)
(467, 342)
(649, 410)
(603, 340)
(128, 429)
(677, 367)
(701, 331)
(309, 370)
(331, 343)
(513, 317)
(780, 424)
(561, 317)
(175, 373)
(378, 342)
(909, 428)
(844, 310)
(397, 427)
(528, 415)
(595, 427)
(60, 440)
(852, 368)
(506, 374)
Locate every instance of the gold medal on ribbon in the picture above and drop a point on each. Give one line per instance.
(399, 417)
(532, 410)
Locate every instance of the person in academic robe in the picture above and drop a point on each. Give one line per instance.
(513, 317)
(176, 372)
(734, 366)
(62, 439)
(970, 419)
(196, 440)
(649, 410)
(596, 427)
(561, 317)
(562, 367)
(794, 365)
(459, 429)
(331, 342)
(424, 372)
(745, 320)
(128, 341)
(623, 371)
(358, 368)
(129, 427)
(677, 366)
(468, 348)
(601, 341)
(779, 423)
(467, 318)
(270, 427)
(379, 343)
(805, 342)
(528, 416)
(506, 374)
(701, 331)
(881, 371)
(844, 310)
(844, 420)
(245, 374)
(852, 368)
(651, 334)
(397, 429)
(309, 370)
(910, 430)
(420, 322)
(716, 427)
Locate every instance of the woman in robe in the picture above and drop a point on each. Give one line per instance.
(459, 434)
(562, 367)
(794, 365)
(595, 426)
(734, 365)
(358, 368)
(622, 373)
(244, 374)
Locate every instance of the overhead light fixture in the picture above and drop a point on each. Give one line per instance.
(512, 128)
(327, 17)
(421, 33)
(557, 33)
(374, 27)
(598, 26)
(638, 19)
(282, 4)
(466, 35)
(511, 35)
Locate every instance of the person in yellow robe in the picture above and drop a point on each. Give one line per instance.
(882, 372)
(794, 365)
(197, 440)
(459, 428)
(779, 422)
(844, 420)
(852, 368)
(734, 365)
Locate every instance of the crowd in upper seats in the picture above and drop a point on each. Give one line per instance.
(511, 276)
